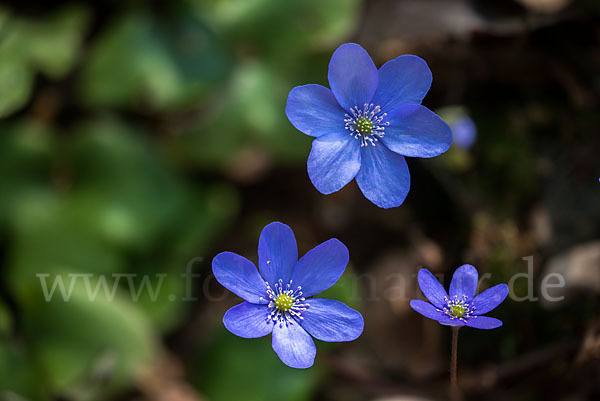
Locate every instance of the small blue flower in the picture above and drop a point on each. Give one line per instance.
(462, 307)
(367, 123)
(464, 132)
(278, 295)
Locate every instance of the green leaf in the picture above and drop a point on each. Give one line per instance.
(50, 45)
(88, 346)
(201, 219)
(123, 190)
(16, 81)
(257, 99)
(54, 44)
(255, 369)
(159, 63)
(18, 373)
(25, 163)
(301, 25)
(48, 241)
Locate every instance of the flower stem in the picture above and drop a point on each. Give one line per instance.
(455, 394)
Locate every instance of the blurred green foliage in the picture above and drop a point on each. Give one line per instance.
(258, 373)
(50, 46)
(112, 112)
(167, 62)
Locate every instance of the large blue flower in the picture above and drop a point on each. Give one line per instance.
(278, 295)
(462, 307)
(367, 123)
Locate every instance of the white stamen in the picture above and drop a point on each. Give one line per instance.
(285, 316)
(366, 124)
(461, 304)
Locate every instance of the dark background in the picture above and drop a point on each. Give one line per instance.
(136, 136)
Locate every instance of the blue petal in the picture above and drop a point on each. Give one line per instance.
(484, 322)
(432, 289)
(293, 345)
(428, 310)
(451, 322)
(331, 321)
(403, 80)
(416, 131)
(333, 162)
(313, 110)
(239, 276)
(352, 76)
(464, 282)
(277, 252)
(383, 176)
(321, 267)
(248, 320)
(490, 299)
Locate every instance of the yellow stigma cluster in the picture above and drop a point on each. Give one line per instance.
(284, 302)
(457, 310)
(364, 125)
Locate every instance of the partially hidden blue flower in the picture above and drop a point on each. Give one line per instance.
(464, 132)
(461, 307)
(366, 123)
(278, 295)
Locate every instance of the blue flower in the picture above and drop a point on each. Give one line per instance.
(462, 307)
(367, 123)
(278, 295)
(464, 132)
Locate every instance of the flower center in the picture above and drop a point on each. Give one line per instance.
(459, 308)
(285, 303)
(366, 123)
